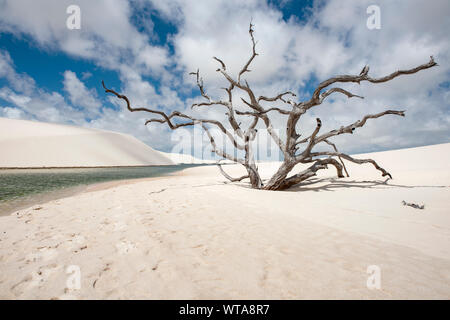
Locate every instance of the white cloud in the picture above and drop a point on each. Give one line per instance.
(40, 104)
(12, 113)
(20, 82)
(86, 75)
(334, 40)
(80, 96)
(106, 37)
(33, 102)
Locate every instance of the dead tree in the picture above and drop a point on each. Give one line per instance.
(294, 149)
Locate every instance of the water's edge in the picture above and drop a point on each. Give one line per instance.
(12, 206)
(17, 202)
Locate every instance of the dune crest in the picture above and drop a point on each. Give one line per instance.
(36, 144)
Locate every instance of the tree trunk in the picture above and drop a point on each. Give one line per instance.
(277, 179)
(255, 179)
(294, 140)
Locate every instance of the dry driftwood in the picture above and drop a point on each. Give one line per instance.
(416, 206)
(294, 149)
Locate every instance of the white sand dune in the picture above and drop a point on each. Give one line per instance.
(36, 144)
(193, 236)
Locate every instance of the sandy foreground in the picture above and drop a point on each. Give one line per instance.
(192, 236)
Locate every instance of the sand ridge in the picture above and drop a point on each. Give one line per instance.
(27, 144)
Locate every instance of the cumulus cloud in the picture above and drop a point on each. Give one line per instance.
(81, 107)
(106, 37)
(29, 101)
(12, 113)
(20, 82)
(334, 40)
(293, 55)
(80, 96)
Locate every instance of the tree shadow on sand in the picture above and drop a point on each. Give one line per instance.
(332, 184)
(325, 184)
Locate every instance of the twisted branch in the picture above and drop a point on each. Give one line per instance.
(279, 97)
(310, 172)
(254, 54)
(340, 90)
(204, 94)
(349, 158)
(363, 76)
(259, 113)
(350, 128)
(290, 147)
(167, 118)
(231, 179)
(340, 159)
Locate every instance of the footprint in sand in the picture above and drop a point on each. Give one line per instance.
(43, 273)
(78, 239)
(74, 240)
(125, 247)
(69, 294)
(35, 278)
(42, 253)
(117, 226)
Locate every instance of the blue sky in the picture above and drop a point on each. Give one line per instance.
(47, 66)
(146, 49)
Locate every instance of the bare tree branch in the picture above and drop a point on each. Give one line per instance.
(290, 148)
(364, 77)
(130, 108)
(173, 126)
(311, 139)
(217, 150)
(340, 159)
(228, 104)
(259, 109)
(204, 94)
(221, 62)
(340, 90)
(349, 158)
(310, 172)
(254, 54)
(256, 114)
(227, 176)
(200, 84)
(350, 128)
(279, 97)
